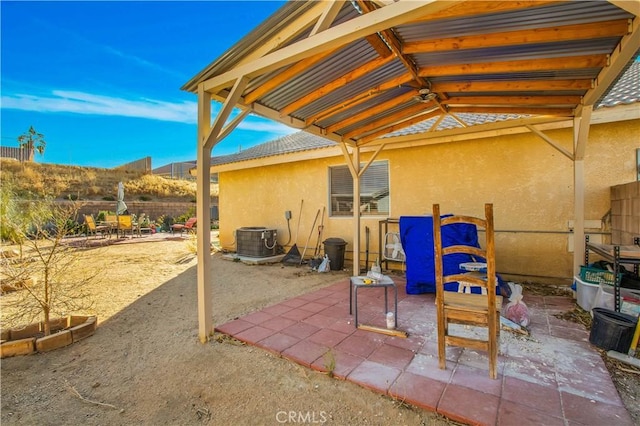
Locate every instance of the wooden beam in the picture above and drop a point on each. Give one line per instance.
(631, 6)
(551, 142)
(225, 111)
(356, 211)
(587, 31)
(396, 46)
(560, 112)
(353, 169)
(381, 107)
(371, 159)
(435, 125)
(395, 127)
(336, 84)
(203, 243)
(388, 332)
(390, 119)
(431, 137)
(620, 57)
(329, 14)
(582, 124)
(233, 124)
(459, 120)
(378, 45)
(285, 75)
(389, 16)
(527, 65)
(512, 86)
(472, 132)
(483, 7)
(286, 34)
(375, 40)
(514, 100)
(360, 97)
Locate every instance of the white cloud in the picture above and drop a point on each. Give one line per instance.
(86, 103)
(61, 101)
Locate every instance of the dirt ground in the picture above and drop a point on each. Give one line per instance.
(145, 364)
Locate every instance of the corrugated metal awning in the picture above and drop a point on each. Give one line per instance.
(485, 61)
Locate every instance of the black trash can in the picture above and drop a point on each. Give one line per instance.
(334, 248)
(611, 330)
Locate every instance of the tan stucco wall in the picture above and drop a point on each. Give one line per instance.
(529, 182)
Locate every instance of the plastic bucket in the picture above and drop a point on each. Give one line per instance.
(334, 248)
(611, 330)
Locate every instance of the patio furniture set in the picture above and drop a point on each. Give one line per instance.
(121, 225)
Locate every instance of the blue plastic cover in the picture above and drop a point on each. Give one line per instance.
(416, 235)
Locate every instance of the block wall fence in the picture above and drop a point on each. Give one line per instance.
(152, 209)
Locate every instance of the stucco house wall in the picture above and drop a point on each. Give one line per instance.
(529, 182)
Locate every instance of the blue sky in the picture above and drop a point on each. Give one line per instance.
(101, 80)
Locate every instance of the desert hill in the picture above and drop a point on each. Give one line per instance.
(31, 179)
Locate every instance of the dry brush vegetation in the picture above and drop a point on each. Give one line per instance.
(91, 183)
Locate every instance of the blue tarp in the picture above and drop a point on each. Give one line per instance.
(416, 235)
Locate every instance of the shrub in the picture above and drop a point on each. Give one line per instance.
(47, 289)
(102, 215)
(191, 212)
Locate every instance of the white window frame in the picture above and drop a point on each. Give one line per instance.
(374, 190)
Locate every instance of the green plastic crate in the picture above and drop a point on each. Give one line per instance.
(597, 275)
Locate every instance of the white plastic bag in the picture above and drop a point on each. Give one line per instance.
(516, 310)
(324, 266)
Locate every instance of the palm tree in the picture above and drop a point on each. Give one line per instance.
(32, 141)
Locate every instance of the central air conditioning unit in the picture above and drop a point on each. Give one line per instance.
(256, 241)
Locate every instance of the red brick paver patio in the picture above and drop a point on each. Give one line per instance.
(553, 377)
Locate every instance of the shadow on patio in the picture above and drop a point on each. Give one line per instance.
(553, 377)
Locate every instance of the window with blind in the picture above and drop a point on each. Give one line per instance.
(374, 190)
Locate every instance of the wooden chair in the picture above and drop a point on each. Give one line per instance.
(482, 310)
(187, 226)
(92, 228)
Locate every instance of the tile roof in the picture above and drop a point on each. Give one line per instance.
(296, 142)
(626, 90)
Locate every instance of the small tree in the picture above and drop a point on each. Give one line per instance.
(46, 286)
(12, 217)
(32, 141)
